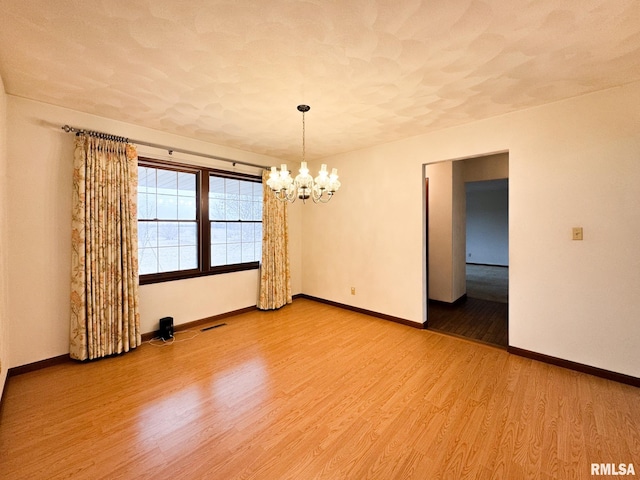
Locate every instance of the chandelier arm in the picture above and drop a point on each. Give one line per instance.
(282, 196)
(292, 195)
(320, 196)
(316, 195)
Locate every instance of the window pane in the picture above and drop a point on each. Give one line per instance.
(257, 191)
(142, 179)
(187, 184)
(188, 232)
(232, 199)
(168, 259)
(141, 205)
(234, 233)
(218, 233)
(232, 188)
(186, 208)
(218, 255)
(216, 198)
(232, 209)
(257, 211)
(147, 205)
(234, 253)
(248, 252)
(146, 180)
(147, 234)
(216, 186)
(152, 206)
(147, 260)
(167, 182)
(167, 207)
(246, 191)
(246, 210)
(216, 208)
(168, 234)
(142, 234)
(247, 232)
(188, 257)
(258, 233)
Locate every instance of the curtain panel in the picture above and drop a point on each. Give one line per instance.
(105, 318)
(275, 276)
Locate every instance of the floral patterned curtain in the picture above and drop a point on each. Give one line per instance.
(104, 287)
(275, 277)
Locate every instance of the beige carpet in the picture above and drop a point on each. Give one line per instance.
(488, 283)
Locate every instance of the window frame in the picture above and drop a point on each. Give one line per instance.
(202, 221)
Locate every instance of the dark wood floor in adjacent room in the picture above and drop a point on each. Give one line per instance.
(313, 391)
(473, 318)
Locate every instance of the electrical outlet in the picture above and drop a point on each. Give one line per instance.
(353, 290)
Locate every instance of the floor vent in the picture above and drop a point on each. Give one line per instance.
(212, 327)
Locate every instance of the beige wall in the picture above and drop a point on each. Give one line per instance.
(39, 212)
(447, 231)
(490, 167)
(441, 231)
(571, 163)
(459, 220)
(4, 228)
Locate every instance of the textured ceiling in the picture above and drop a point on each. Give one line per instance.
(232, 72)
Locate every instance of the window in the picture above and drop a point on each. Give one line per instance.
(167, 221)
(235, 220)
(195, 221)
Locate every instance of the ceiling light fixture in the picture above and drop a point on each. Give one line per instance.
(320, 189)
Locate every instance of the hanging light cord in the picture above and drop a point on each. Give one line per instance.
(303, 136)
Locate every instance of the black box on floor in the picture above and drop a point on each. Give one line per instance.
(166, 328)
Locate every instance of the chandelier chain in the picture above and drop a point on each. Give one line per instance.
(303, 138)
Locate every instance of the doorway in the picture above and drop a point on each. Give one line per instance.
(466, 220)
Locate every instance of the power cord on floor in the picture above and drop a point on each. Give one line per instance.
(160, 342)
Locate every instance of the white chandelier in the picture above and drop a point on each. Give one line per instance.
(320, 189)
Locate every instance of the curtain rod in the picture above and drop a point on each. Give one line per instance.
(170, 150)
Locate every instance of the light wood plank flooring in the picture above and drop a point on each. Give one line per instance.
(314, 391)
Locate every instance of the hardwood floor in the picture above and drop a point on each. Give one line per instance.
(314, 391)
(482, 320)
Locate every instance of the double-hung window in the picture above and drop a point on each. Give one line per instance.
(235, 220)
(195, 221)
